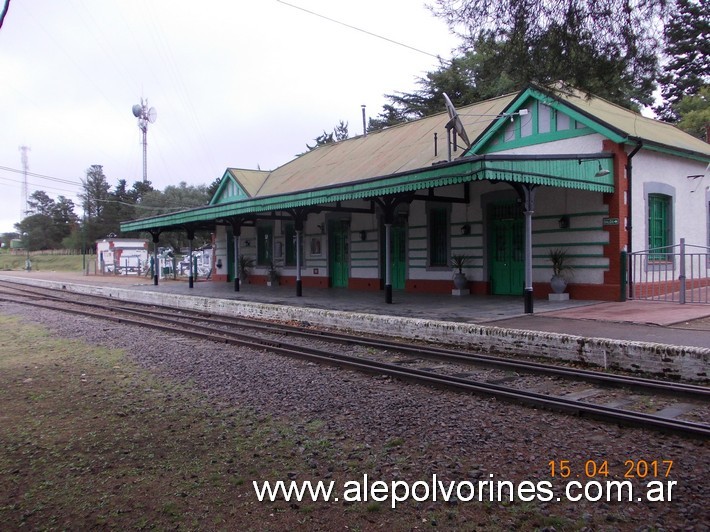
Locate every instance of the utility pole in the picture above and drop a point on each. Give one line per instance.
(145, 115)
(25, 168)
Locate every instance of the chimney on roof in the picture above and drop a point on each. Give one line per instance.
(364, 123)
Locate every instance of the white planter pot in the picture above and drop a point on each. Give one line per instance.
(460, 281)
(558, 284)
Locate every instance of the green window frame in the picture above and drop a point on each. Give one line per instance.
(438, 237)
(264, 245)
(290, 236)
(660, 226)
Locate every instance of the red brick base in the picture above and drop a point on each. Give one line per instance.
(592, 292)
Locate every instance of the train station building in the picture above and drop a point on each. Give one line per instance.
(501, 185)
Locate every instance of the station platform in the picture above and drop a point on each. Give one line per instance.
(665, 323)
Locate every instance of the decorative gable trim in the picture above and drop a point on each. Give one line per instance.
(229, 190)
(544, 118)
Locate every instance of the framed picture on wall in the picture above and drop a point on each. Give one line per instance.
(315, 246)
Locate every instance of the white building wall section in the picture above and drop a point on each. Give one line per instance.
(220, 250)
(657, 172)
(585, 144)
(418, 254)
(584, 238)
(364, 253)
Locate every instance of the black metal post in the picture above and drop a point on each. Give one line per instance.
(388, 263)
(527, 193)
(191, 270)
(156, 265)
(237, 271)
(624, 274)
(299, 282)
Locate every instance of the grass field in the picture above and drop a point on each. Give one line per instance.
(90, 440)
(60, 263)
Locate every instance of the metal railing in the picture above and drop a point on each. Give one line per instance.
(679, 274)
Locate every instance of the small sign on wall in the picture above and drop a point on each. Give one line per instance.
(610, 221)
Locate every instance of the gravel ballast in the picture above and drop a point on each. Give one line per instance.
(402, 431)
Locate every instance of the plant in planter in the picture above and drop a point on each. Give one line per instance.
(561, 269)
(459, 262)
(273, 275)
(246, 264)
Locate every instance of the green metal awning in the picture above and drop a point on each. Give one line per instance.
(559, 171)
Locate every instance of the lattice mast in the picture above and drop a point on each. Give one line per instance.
(145, 115)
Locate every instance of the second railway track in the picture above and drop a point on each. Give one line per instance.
(564, 389)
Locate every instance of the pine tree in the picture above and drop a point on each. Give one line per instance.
(687, 37)
(587, 43)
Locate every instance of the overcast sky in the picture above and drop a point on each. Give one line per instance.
(235, 84)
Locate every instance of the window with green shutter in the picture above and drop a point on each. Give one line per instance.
(438, 237)
(264, 245)
(660, 226)
(290, 235)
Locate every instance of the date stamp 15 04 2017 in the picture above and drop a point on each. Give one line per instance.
(640, 469)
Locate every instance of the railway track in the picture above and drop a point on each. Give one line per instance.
(575, 391)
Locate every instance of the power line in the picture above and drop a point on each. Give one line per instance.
(145, 207)
(398, 43)
(4, 180)
(42, 176)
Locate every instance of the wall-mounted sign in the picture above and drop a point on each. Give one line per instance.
(610, 221)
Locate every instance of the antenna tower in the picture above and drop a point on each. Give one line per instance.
(145, 115)
(25, 167)
(456, 125)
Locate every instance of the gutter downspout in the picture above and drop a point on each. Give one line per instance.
(629, 223)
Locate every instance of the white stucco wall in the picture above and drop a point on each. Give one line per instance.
(660, 173)
(585, 144)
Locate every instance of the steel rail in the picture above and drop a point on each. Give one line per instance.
(429, 352)
(560, 404)
(451, 355)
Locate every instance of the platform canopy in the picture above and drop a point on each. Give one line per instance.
(558, 172)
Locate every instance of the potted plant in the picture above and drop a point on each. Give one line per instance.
(459, 262)
(561, 269)
(273, 275)
(246, 264)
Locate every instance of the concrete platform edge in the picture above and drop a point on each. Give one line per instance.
(686, 362)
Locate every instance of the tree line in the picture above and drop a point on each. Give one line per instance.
(620, 50)
(54, 224)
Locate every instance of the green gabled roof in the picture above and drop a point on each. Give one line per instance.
(558, 171)
(592, 115)
(238, 183)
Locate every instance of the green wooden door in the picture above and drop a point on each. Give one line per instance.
(506, 250)
(399, 257)
(338, 252)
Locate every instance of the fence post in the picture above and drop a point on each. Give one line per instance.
(682, 271)
(624, 273)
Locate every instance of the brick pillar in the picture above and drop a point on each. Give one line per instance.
(618, 208)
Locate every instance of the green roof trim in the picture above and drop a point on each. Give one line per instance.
(558, 171)
(238, 184)
(484, 143)
(672, 151)
(564, 103)
(229, 188)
